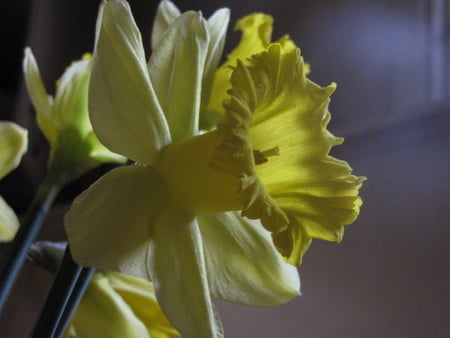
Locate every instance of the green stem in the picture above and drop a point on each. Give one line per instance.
(68, 287)
(32, 223)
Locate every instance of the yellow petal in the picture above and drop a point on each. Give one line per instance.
(177, 266)
(139, 294)
(109, 225)
(243, 265)
(42, 102)
(103, 313)
(176, 71)
(13, 144)
(9, 223)
(124, 110)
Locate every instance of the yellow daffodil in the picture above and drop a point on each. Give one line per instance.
(269, 158)
(64, 119)
(114, 305)
(172, 217)
(13, 144)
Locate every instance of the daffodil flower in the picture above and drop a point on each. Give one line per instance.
(64, 119)
(172, 217)
(13, 144)
(114, 305)
(268, 158)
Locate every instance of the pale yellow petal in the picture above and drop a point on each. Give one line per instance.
(13, 144)
(177, 267)
(109, 225)
(176, 71)
(9, 223)
(166, 13)
(42, 102)
(242, 263)
(124, 110)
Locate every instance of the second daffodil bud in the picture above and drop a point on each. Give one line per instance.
(64, 118)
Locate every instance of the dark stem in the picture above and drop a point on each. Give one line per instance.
(15, 257)
(77, 293)
(58, 297)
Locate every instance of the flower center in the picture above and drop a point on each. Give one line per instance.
(192, 182)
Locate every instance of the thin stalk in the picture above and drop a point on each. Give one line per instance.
(32, 223)
(64, 283)
(77, 293)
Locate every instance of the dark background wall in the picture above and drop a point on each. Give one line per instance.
(390, 277)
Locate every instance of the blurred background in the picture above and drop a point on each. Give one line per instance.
(390, 277)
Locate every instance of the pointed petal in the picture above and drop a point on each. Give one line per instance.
(42, 102)
(139, 294)
(13, 144)
(109, 224)
(166, 13)
(124, 111)
(98, 22)
(103, 313)
(176, 70)
(217, 26)
(177, 268)
(9, 223)
(242, 263)
(70, 109)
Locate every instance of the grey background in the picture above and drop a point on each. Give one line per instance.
(390, 277)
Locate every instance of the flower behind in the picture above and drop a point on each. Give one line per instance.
(64, 119)
(13, 144)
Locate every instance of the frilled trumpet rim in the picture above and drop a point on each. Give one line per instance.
(274, 138)
(268, 157)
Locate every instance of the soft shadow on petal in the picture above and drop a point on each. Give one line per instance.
(109, 225)
(242, 263)
(124, 110)
(166, 13)
(177, 268)
(103, 313)
(176, 71)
